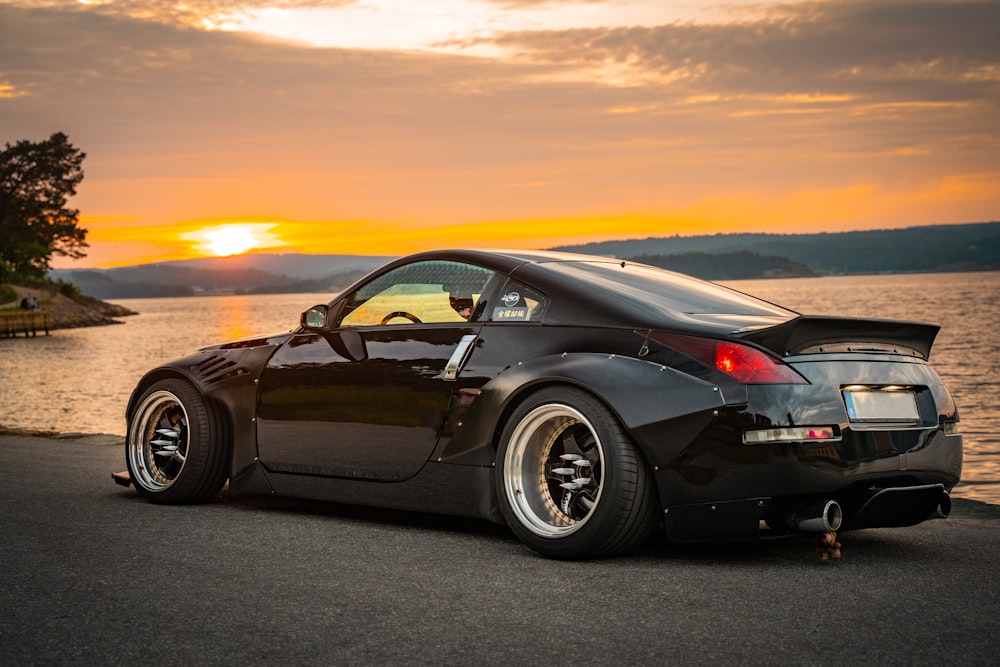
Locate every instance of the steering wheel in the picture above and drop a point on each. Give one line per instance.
(401, 313)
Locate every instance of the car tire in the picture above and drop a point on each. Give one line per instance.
(571, 483)
(177, 447)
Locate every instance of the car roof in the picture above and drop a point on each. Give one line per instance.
(502, 259)
(590, 290)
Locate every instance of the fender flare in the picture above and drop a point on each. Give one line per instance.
(649, 399)
(228, 377)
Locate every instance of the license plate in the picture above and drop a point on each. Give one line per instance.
(881, 406)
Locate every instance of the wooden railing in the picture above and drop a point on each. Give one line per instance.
(28, 322)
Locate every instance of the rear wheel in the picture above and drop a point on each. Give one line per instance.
(177, 450)
(571, 482)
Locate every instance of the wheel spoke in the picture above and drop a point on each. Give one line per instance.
(158, 440)
(569, 443)
(571, 481)
(586, 502)
(550, 476)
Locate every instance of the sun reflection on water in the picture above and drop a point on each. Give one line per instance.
(233, 318)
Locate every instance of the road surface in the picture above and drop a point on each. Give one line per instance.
(92, 574)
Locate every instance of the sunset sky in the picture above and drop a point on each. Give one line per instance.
(389, 126)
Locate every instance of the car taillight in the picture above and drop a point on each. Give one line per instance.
(750, 365)
(742, 362)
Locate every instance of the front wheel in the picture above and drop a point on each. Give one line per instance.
(571, 482)
(177, 449)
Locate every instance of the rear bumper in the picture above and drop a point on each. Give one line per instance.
(714, 465)
(720, 489)
(765, 518)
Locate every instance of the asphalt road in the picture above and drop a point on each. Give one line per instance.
(92, 574)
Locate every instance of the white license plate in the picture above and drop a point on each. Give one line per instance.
(881, 406)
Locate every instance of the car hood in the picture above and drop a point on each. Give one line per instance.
(251, 341)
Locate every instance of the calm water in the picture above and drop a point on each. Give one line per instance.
(78, 380)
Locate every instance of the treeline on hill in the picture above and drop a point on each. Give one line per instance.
(717, 257)
(160, 281)
(331, 284)
(727, 266)
(967, 247)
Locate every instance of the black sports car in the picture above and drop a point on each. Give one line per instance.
(581, 400)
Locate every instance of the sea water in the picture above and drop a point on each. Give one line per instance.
(79, 380)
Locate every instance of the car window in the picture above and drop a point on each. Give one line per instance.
(420, 293)
(665, 291)
(519, 303)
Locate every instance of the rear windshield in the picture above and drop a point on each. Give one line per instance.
(665, 290)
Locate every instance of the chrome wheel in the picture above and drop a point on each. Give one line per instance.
(553, 469)
(570, 481)
(158, 441)
(179, 447)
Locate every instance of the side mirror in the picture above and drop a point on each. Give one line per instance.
(315, 317)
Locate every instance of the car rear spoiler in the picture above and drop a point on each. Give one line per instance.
(812, 334)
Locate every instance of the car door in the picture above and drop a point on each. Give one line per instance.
(367, 397)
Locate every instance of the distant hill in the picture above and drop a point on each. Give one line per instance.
(718, 257)
(293, 266)
(933, 248)
(728, 265)
(244, 274)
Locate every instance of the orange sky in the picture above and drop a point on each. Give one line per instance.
(384, 127)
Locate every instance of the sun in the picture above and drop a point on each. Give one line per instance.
(233, 239)
(230, 240)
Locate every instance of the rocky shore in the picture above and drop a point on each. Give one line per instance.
(68, 313)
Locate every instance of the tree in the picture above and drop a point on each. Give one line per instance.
(36, 181)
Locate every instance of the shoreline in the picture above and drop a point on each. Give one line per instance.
(69, 313)
(39, 434)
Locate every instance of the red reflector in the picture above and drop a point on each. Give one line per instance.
(742, 362)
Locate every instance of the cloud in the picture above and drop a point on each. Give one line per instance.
(201, 14)
(937, 48)
(192, 124)
(181, 122)
(135, 78)
(535, 4)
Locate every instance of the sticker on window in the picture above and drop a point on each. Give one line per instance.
(501, 314)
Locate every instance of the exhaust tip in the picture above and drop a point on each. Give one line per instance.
(833, 514)
(822, 517)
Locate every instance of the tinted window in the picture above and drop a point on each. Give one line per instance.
(664, 290)
(422, 292)
(519, 303)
